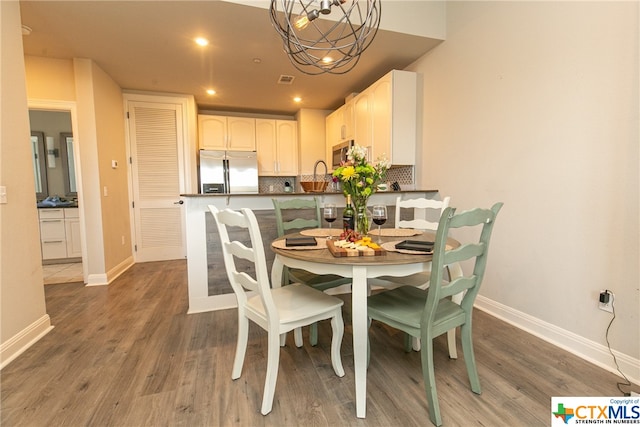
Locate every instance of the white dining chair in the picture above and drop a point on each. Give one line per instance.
(426, 213)
(425, 217)
(277, 310)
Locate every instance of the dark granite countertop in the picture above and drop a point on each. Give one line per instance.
(296, 194)
(72, 205)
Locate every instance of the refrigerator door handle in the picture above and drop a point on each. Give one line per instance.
(227, 188)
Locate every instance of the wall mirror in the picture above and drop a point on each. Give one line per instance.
(54, 168)
(68, 164)
(39, 165)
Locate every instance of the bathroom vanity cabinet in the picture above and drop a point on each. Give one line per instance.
(59, 233)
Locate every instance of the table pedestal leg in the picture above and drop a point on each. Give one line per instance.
(360, 336)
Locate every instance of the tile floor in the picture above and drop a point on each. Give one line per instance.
(62, 273)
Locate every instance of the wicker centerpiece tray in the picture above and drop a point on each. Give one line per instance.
(344, 252)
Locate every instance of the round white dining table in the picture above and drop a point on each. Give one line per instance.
(359, 269)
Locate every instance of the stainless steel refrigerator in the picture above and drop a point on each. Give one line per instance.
(234, 172)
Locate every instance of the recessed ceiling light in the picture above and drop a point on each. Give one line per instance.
(257, 60)
(201, 41)
(211, 92)
(297, 99)
(26, 30)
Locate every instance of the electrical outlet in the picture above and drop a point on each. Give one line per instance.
(605, 301)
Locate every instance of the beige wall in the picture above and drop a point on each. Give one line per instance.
(110, 129)
(100, 138)
(50, 78)
(23, 315)
(311, 139)
(535, 104)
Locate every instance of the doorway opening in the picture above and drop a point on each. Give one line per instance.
(58, 191)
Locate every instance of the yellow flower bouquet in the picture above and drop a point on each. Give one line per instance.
(360, 179)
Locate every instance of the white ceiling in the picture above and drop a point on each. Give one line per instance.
(148, 45)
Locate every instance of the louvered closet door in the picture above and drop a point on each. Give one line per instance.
(156, 148)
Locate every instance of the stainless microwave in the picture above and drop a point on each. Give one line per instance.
(339, 153)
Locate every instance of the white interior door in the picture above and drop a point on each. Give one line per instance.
(157, 140)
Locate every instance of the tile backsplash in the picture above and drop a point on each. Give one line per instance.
(276, 184)
(403, 175)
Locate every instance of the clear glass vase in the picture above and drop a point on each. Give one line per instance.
(363, 219)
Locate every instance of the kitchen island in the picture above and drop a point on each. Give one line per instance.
(208, 286)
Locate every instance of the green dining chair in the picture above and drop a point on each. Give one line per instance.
(288, 220)
(426, 314)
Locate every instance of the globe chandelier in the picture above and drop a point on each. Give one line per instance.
(315, 45)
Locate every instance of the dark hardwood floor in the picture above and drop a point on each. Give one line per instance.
(129, 355)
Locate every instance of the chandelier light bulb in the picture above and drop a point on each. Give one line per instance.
(302, 21)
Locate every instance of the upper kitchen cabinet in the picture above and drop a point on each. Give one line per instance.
(340, 124)
(277, 147)
(363, 118)
(226, 133)
(333, 122)
(386, 118)
(340, 127)
(348, 117)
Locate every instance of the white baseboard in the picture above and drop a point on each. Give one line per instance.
(590, 351)
(116, 271)
(108, 277)
(97, 279)
(20, 342)
(211, 303)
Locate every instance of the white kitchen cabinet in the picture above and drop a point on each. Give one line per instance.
(333, 122)
(340, 126)
(226, 133)
(277, 147)
(385, 118)
(347, 131)
(362, 120)
(287, 138)
(72, 232)
(59, 233)
(381, 112)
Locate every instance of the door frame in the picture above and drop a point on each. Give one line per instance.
(70, 106)
(189, 147)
